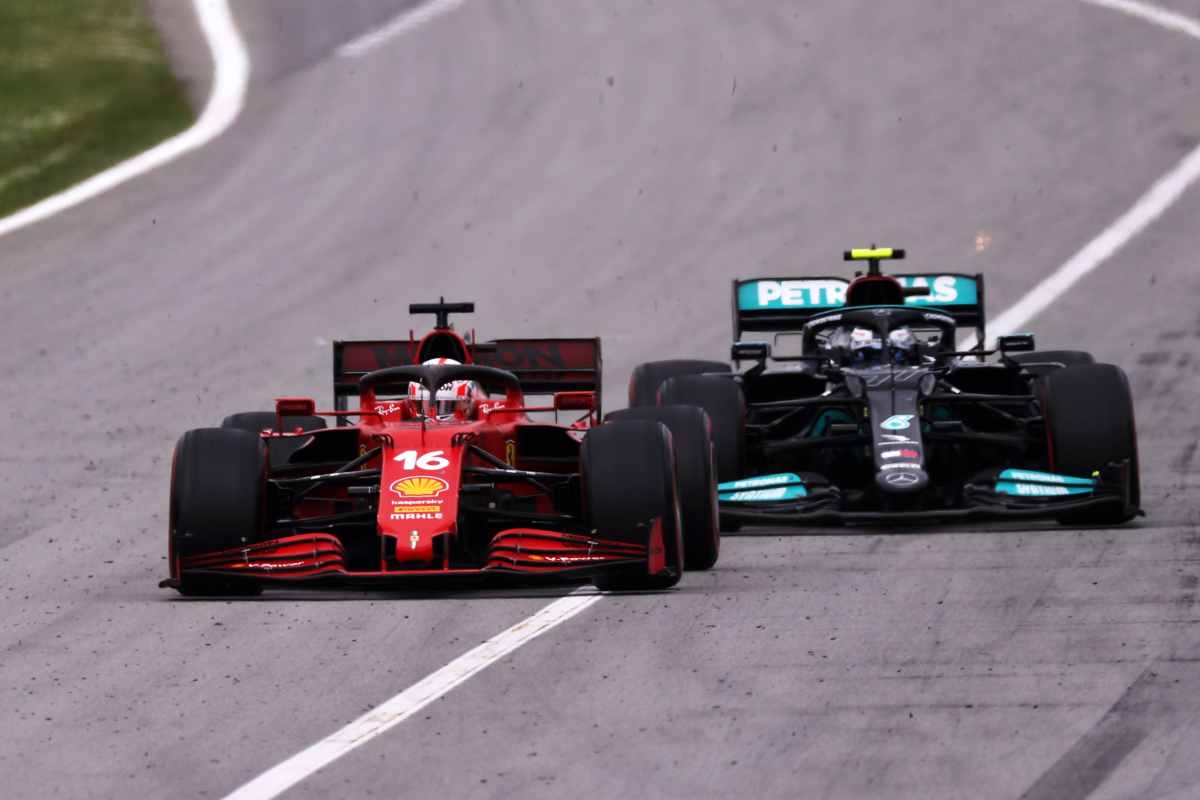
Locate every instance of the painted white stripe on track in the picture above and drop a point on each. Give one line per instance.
(231, 75)
(379, 720)
(1162, 17)
(1166, 191)
(1161, 196)
(402, 24)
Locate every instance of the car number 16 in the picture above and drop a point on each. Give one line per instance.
(415, 459)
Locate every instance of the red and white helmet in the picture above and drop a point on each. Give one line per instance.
(454, 399)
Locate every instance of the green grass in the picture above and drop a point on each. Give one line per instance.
(84, 84)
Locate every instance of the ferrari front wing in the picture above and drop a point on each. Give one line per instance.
(516, 554)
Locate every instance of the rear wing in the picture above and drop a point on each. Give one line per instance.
(543, 366)
(785, 304)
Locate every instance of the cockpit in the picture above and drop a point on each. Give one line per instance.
(857, 346)
(880, 336)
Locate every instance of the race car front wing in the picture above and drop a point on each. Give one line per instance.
(1013, 494)
(521, 554)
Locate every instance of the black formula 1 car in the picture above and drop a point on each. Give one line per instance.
(860, 408)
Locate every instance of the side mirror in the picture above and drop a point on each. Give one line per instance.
(574, 401)
(750, 351)
(295, 407)
(1016, 343)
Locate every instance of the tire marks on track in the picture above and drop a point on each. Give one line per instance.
(1098, 753)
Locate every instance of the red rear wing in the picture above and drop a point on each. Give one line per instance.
(544, 366)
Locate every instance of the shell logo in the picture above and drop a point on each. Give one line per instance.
(419, 486)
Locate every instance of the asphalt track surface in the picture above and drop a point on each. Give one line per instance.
(585, 168)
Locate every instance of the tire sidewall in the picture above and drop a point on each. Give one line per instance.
(218, 491)
(695, 475)
(724, 402)
(628, 474)
(1090, 422)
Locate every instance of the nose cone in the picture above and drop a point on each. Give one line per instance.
(902, 481)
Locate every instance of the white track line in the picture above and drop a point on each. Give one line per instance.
(283, 776)
(232, 73)
(1161, 17)
(1161, 196)
(403, 23)
(379, 720)
(1150, 207)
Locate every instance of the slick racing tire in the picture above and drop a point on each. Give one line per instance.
(218, 499)
(696, 474)
(722, 399)
(629, 480)
(280, 449)
(1090, 424)
(648, 378)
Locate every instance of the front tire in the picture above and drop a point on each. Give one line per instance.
(695, 469)
(1089, 424)
(628, 481)
(218, 488)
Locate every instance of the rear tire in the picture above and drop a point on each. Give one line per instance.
(628, 480)
(695, 470)
(218, 485)
(1089, 424)
(281, 450)
(648, 378)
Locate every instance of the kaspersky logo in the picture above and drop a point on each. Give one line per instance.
(419, 486)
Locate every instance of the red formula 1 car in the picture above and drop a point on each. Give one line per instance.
(441, 476)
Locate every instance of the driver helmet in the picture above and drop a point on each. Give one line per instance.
(456, 399)
(865, 346)
(903, 346)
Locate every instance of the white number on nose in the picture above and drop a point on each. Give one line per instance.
(415, 459)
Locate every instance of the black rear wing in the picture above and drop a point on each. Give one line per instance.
(785, 304)
(543, 366)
